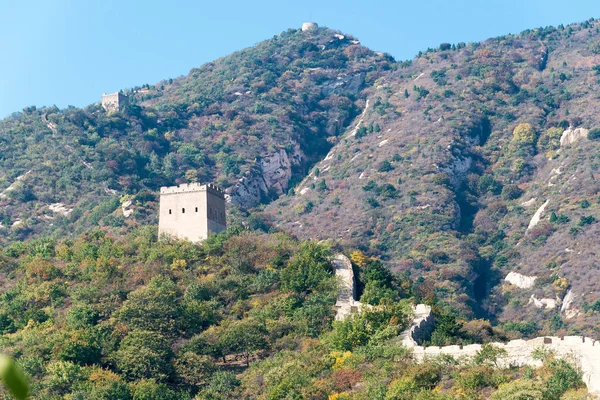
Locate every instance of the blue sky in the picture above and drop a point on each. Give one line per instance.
(67, 52)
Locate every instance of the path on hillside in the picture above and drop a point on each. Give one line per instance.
(583, 350)
(52, 126)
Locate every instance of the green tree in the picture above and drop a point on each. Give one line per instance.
(154, 307)
(385, 166)
(193, 369)
(489, 354)
(309, 269)
(243, 337)
(524, 134)
(520, 389)
(149, 389)
(221, 386)
(145, 354)
(563, 377)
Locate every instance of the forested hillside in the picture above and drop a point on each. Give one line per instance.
(245, 315)
(457, 168)
(277, 107)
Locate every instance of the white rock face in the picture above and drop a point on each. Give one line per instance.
(567, 306)
(383, 142)
(12, 186)
(542, 303)
(125, 208)
(271, 174)
(571, 136)
(519, 280)
(60, 208)
(529, 202)
(538, 215)
(362, 118)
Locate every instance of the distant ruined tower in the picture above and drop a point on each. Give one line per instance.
(114, 101)
(191, 211)
(309, 26)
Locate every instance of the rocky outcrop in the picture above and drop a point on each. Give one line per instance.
(344, 84)
(60, 208)
(567, 305)
(125, 207)
(269, 178)
(519, 280)
(542, 303)
(538, 215)
(571, 136)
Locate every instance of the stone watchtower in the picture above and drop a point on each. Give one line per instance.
(309, 26)
(191, 211)
(114, 101)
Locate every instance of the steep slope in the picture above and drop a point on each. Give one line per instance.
(457, 168)
(452, 157)
(252, 122)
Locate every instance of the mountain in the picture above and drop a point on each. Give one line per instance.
(458, 168)
(253, 122)
(454, 156)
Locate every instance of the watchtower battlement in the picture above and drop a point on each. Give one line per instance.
(193, 187)
(114, 101)
(191, 211)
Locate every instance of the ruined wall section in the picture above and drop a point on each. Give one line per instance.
(582, 350)
(421, 327)
(346, 303)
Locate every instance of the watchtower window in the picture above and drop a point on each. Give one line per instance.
(183, 210)
(169, 211)
(196, 209)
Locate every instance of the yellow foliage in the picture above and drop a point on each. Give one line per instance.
(344, 360)
(575, 394)
(550, 140)
(518, 165)
(560, 285)
(359, 258)
(524, 134)
(191, 175)
(100, 375)
(339, 396)
(178, 265)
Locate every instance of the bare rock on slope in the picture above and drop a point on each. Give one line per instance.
(570, 136)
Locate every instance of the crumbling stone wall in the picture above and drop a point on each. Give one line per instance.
(582, 350)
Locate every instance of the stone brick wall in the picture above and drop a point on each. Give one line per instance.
(114, 101)
(585, 352)
(191, 211)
